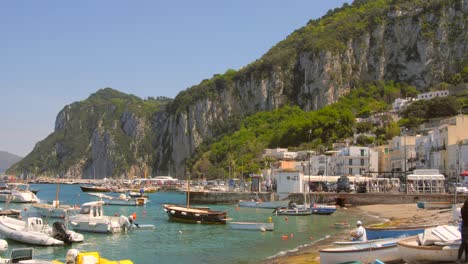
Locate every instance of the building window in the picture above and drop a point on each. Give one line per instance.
(350, 162)
(362, 162)
(350, 171)
(362, 152)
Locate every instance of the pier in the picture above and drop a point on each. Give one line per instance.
(325, 197)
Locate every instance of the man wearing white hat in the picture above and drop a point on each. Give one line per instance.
(360, 233)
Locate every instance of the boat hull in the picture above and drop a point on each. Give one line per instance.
(389, 232)
(94, 189)
(252, 226)
(362, 253)
(411, 252)
(35, 235)
(323, 209)
(105, 225)
(195, 215)
(292, 211)
(434, 205)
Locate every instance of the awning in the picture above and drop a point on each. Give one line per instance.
(464, 173)
(419, 177)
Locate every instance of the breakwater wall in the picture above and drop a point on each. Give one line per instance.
(330, 198)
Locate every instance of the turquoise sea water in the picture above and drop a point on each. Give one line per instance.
(173, 242)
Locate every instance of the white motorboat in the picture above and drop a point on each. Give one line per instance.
(34, 231)
(91, 218)
(364, 252)
(55, 210)
(122, 199)
(18, 193)
(252, 226)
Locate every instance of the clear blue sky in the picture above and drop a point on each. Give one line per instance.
(55, 52)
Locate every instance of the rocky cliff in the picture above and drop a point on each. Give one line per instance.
(417, 42)
(115, 135)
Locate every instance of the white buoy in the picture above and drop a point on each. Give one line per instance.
(180, 231)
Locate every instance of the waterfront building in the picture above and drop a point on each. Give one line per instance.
(443, 145)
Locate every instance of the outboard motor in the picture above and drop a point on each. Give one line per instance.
(59, 231)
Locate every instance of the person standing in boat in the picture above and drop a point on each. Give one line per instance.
(464, 233)
(360, 233)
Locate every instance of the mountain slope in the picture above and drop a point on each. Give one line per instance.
(418, 42)
(7, 159)
(107, 135)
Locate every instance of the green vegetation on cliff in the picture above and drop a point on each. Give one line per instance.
(290, 127)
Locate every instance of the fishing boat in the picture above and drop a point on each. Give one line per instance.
(34, 231)
(18, 193)
(376, 232)
(122, 199)
(298, 210)
(365, 252)
(435, 245)
(323, 209)
(252, 226)
(195, 215)
(412, 252)
(91, 218)
(187, 214)
(94, 188)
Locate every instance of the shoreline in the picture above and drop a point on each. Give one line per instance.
(394, 214)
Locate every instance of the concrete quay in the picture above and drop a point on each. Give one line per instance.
(324, 197)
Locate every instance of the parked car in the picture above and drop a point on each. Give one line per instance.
(342, 184)
(457, 188)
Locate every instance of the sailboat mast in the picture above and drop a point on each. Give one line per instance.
(188, 191)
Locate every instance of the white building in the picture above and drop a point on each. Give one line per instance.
(430, 95)
(401, 103)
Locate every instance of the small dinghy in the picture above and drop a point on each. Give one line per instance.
(252, 226)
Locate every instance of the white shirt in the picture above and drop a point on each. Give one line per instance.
(361, 234)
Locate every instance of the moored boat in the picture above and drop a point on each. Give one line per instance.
(55, 210)
(434, 205)
(195, 215)
(299, 210)
(365, 252)
(18, 193)
(122, 199)
(375, 232)
(412, 252)
(87, 188)
(34, 231)
(323, 209)
(91, 218)
(252, 226)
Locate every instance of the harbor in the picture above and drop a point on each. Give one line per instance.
(200, 243)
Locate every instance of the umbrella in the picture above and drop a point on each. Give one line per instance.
(464, 173)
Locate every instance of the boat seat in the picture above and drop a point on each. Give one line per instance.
(19, 254)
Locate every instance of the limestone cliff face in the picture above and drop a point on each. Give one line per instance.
(107, 135)
(418, 46)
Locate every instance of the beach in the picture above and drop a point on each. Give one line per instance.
(390, 214)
